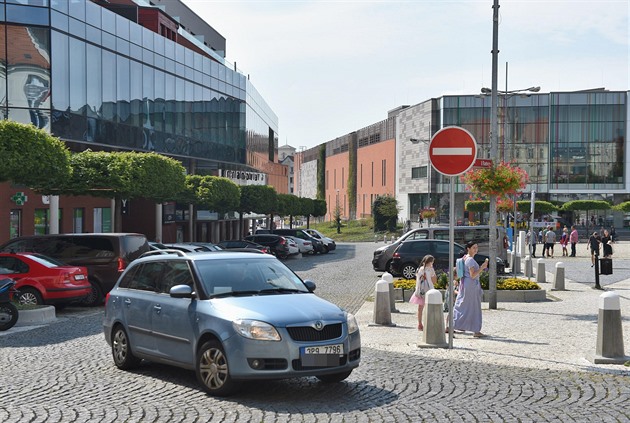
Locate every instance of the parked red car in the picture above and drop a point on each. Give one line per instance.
(44, 280)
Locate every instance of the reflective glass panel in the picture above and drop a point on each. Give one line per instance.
(27, 15)
(94, 80)
(77, 73)
(3, 67)
(29, 67)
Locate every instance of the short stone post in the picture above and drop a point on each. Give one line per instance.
(540, 271)
(393, 239)
(433, 335)
(529, 272)
(382, 314)
(385, 239)
(510, 256)
(609, 348)
(558, 280)
(387, 277)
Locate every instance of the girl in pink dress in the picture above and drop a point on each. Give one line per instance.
(425, 280)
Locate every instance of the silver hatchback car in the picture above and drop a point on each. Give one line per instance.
(230, 317)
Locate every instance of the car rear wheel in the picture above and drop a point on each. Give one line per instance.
(94, 298)
(30, 296)
(335, 377)
(121, 350)
(213, 370)
(325, 249)
(408, 271)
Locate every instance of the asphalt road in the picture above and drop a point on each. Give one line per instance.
(63, 372)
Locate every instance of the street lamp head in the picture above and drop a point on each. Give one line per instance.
(486, 91)
(534, 89)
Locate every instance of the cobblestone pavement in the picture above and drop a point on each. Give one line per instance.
(63, 372)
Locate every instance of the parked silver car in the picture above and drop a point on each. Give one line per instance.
(231, 317)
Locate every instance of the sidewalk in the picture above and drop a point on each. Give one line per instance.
(560, 333)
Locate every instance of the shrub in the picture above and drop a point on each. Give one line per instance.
(502, 284)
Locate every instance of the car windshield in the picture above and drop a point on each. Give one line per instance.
(45, 260)
(230, 277)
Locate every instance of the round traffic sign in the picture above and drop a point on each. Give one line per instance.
(452, 151)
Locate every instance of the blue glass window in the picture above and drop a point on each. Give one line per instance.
(27, 15)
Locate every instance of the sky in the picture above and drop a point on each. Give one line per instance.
(328, 68)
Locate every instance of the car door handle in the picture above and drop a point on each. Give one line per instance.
(127, 301)
(157, 308)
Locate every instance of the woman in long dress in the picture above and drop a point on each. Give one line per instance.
(467, 308)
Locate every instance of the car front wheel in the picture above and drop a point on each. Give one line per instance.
(121, 350)
(213, 370)
(335, 377)
(408, 271)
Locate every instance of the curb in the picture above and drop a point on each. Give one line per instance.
(36, 316)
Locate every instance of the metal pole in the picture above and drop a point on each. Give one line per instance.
(492, 297)
(451, 259)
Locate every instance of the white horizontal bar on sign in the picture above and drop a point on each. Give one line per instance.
(452, 151)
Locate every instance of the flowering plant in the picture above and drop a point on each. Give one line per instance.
(505, 204)
(501, 180)
(428, 213)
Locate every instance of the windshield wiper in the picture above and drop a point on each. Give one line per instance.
(234, 294)
(281, 291)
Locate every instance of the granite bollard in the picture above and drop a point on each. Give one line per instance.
(540, 271)
(433, 335)
(529, 272)
(387, 277)
(382, 313)
(558, 280)
(609, 349)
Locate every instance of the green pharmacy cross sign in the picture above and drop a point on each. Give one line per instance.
(19, 198)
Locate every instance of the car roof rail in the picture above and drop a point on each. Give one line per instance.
(161, 252)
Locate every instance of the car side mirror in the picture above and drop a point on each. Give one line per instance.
(310, 285)
(181, 291)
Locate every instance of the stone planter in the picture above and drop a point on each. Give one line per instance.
(503, 296)
(36, 316)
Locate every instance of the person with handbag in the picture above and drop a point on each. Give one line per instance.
(467, 307)
(425, 280)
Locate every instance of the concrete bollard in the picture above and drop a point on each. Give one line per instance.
(517, 263)
(609, 349)
(540, 271)
(510, 257)
(528, 267)
(433, 335)
(393, 239)
(382, 314)
(558, 280)
(387, 277)
(385, 239)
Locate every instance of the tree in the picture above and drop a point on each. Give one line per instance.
(218, 194)
(320, 208)
(124, 176)
(385, 213)
(260, 199)
(32, 157)
(586, 205)
(288, 205)
(307, 208)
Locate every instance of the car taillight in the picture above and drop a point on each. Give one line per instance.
(396, 255)
(65, 277)
(307, 243)
(282, 241)
(121, 264)
(106, 298)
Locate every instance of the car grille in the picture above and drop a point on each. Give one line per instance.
(307, 333)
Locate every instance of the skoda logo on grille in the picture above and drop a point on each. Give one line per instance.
(319, 325)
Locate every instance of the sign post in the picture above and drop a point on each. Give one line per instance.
(452, 151)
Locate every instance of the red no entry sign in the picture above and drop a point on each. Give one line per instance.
(453, 150)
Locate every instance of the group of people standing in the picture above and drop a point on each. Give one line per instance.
(547, 236)
(595, 242)
(467, 306)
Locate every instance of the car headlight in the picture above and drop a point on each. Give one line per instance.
(255, 329)
(353, 326)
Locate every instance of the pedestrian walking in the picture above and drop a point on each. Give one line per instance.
(593, 244)
(607, 244)
(550, 241)
(530, 239)
(564, 241)
(425, 280)
(573, 239)
(467, 308)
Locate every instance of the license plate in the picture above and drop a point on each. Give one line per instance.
(79, 277)
(323, 349)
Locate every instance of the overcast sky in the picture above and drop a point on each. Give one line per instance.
(328, 68)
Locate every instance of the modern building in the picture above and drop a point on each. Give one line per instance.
(131, 75)
(573, 145)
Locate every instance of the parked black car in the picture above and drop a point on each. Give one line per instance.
(318, 245)
(278, 244)
(106, 255)
(242, 243)
(409, 254)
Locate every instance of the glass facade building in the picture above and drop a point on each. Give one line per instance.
(568, 143)
(98, 80)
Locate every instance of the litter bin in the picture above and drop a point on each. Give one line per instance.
(605, 266)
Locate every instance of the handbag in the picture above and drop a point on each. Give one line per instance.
(424, 286)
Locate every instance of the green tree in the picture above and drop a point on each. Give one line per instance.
(307, 208)
(124, 176)
(385, 212)
(261, 199)
(288, 205)
(218, 194)
(32, 157)
(319, 208)
(586, 205)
